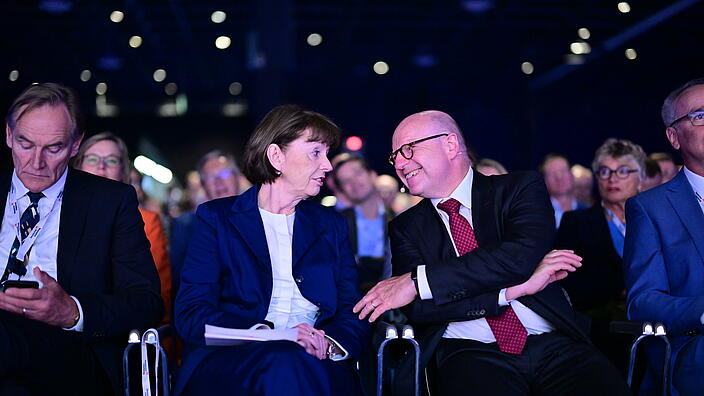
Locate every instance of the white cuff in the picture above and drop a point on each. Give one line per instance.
(502, 298)
(337, 352)
(701, 319)
(79, 325)
(423, 286)
(260, 326)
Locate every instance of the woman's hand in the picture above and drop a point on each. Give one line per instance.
(313, 340)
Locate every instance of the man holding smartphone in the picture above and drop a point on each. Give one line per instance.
(75, 267)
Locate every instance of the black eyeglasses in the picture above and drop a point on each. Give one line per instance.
(406, 150)
(695, 117)
(604, 173)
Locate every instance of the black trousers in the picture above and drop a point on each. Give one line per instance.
(551, 364)
(39, 359)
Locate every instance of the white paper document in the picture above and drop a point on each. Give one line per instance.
(223, 336)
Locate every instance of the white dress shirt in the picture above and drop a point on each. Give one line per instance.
(44, 250)
(288, 307)
(477, 329)
(697, 183)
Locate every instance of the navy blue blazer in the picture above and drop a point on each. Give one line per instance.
(227, 280)
(664, 261)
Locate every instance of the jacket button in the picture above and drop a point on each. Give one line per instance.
(482, 312)
(299, 279)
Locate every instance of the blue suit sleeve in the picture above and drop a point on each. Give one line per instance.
(650, 296)
(198, 300)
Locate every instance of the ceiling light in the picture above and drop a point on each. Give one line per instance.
(135, 41)
(117, 16)
(218, 17)
(159, 75)
(314, 39)
(86, 75)
(222, 42)
(381, 68)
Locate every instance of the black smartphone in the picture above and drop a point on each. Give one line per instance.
(19, 284)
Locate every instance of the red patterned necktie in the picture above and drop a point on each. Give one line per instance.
(507, 328)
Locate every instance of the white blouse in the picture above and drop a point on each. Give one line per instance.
(287, 307)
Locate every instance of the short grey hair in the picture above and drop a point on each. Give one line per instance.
(618, 148)
(668, 106)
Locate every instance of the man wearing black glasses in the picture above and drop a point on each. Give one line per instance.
(469, 275)
(664, 249)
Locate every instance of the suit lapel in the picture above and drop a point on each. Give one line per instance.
(247, 220)
(429, 223)
(306, 230)
(76, 199)
(682, 199)
(483, 210)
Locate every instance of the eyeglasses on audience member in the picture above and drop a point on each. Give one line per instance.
(406, 150)
(604, 173)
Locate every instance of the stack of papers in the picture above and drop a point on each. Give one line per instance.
(223, 336)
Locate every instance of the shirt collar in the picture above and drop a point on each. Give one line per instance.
(50, 193)
(463, 192)
(696, 181)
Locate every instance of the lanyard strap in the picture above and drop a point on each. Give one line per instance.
(27, 243)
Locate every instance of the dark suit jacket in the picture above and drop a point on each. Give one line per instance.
(103, 259)
(664, 263)
(182, 229)
(514, 226)
(351, 217)
(600, 279)
(227, 281)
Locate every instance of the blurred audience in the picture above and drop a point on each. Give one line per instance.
(220, 178)
(667, 165)
(195, 193)
(388, 188)
(341, 200)
(555, 168)
(583, 184)
(490, 167)
(653, 175)
(597, 234)
(367, 219)
(106, 155)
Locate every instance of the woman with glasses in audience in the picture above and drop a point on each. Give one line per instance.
(106, 155)
(270, 258)
(598, 235)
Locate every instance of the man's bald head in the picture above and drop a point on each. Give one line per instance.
(440, 121)
(435, 158)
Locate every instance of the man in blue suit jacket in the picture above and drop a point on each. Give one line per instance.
(664, 251)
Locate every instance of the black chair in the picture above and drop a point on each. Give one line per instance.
(397, 335)
(158, 377)
(641, 331)
(153, 368)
